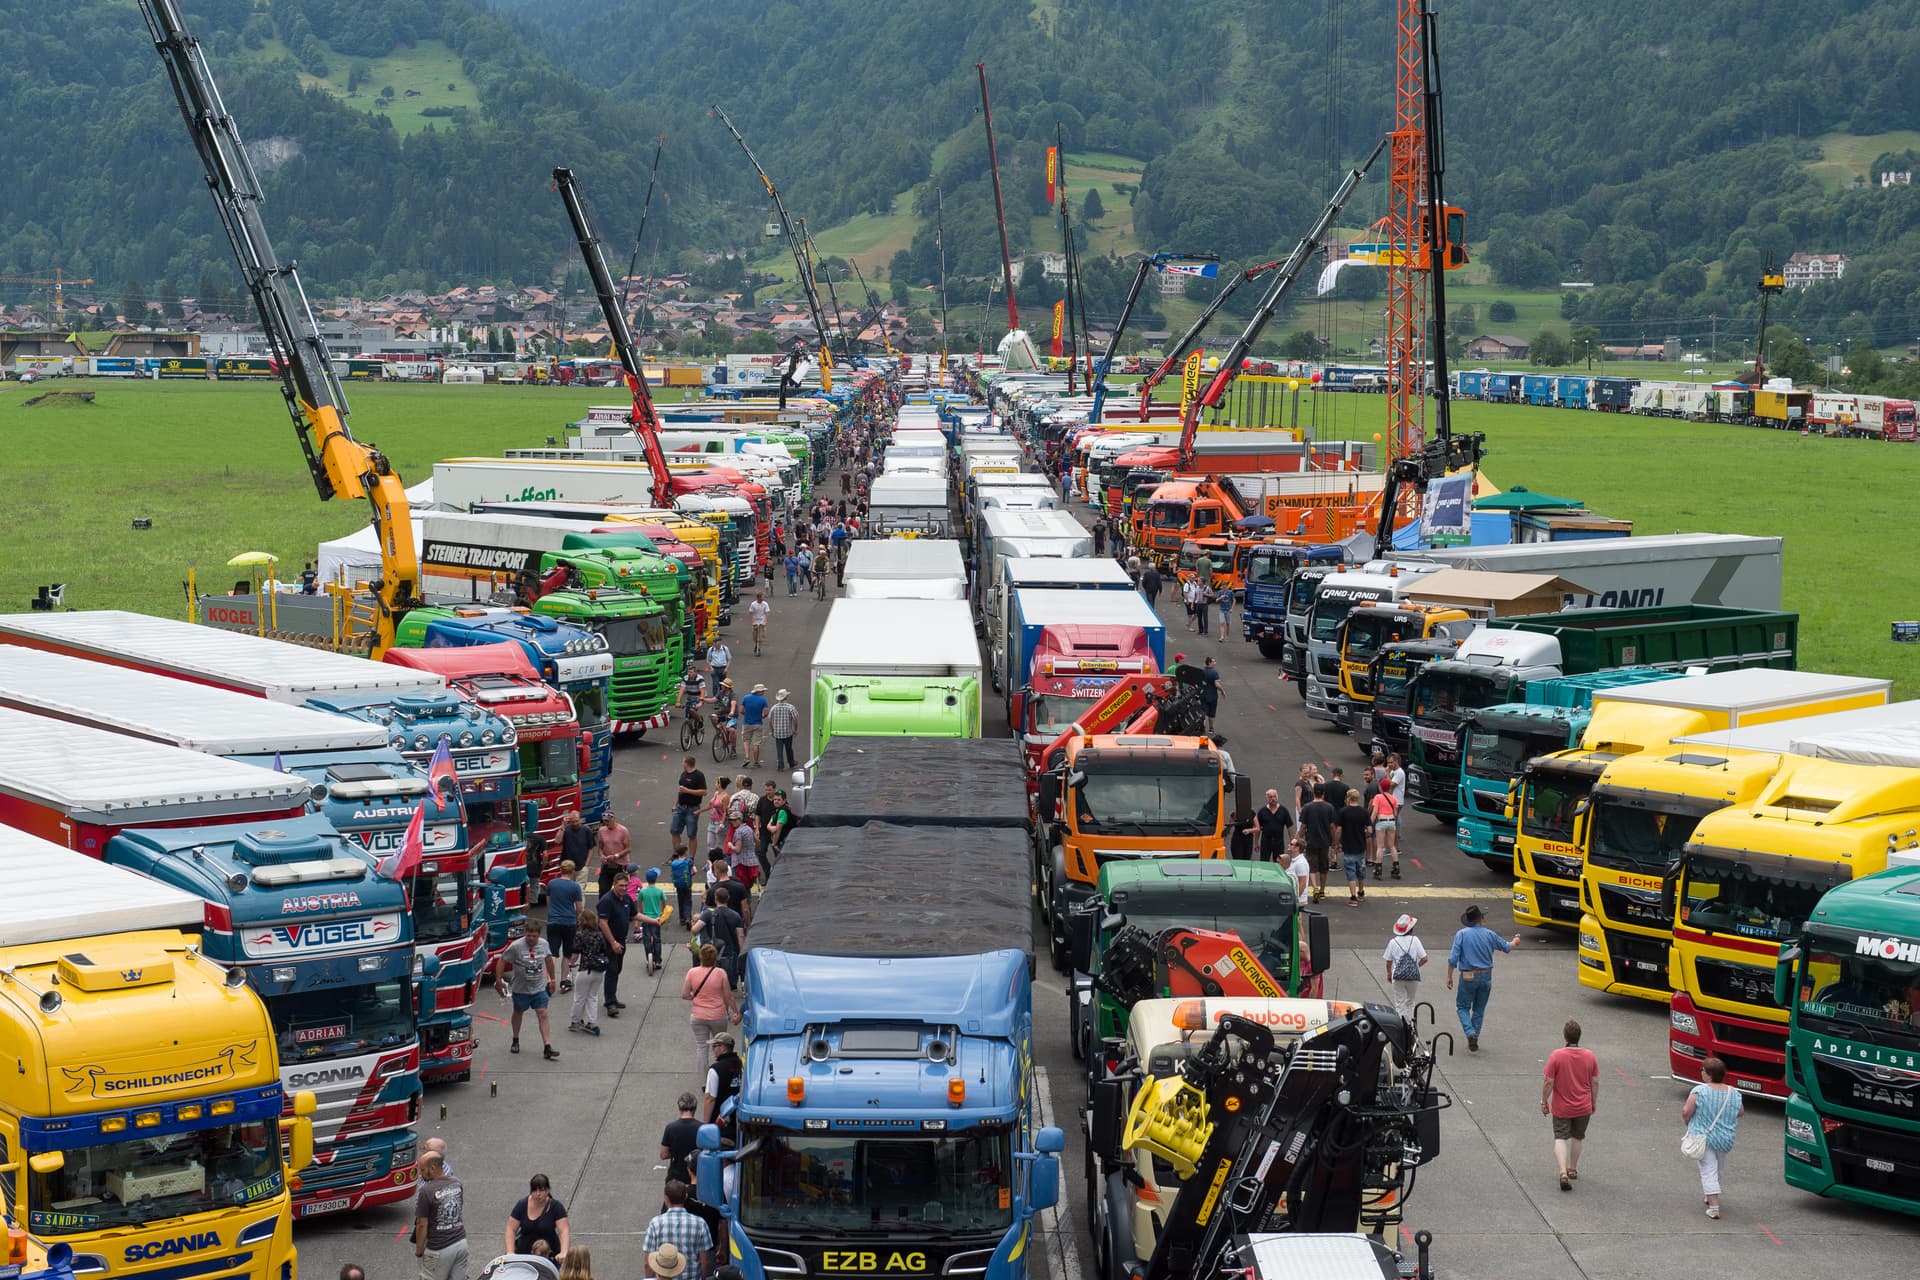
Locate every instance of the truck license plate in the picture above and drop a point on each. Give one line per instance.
(1645, 966)
(1879, 1166)
(325, 1206)
(1566, 900)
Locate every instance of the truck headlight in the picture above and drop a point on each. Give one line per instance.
(1685, 1023)
(459, 1035)
(1799, 1131)
(1588, 942)
(1522, 899)
(486, 738)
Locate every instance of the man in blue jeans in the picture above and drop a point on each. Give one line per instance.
(1472, 957)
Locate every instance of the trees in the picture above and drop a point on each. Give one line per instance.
(1550, 350)
(133, 302)
(1500, 311)
(1091, 210)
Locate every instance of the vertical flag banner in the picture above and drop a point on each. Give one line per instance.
(402, 862)
(1053, 172)
(1059, 323)
(1189, 381)
(440, 770)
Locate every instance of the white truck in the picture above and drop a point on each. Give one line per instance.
(896, 668)
(1096, 573)
(1341, 591)
(1003, 535)
(905, 569)
(908, 504)
(1735, 570)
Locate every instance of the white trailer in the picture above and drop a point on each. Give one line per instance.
(908, 503)
(1002, 535)
(1735, 570)
(225, 659)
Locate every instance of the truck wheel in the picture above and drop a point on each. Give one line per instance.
(1270, 649)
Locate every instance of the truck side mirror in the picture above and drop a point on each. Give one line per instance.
(709, 1167)
(1783, 974)
(1107, 1115)
(1082, 924)
(1242, 799)
(1049, 794)
(1512, 808)
(47, 1161)
(1043, 1179)
(1319, 942)
(1426, 1128)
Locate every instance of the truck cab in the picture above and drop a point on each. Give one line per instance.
(1368, 629)
(597, 561)
(1390, 723)
(1339, 592)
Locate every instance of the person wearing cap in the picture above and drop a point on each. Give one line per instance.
(652, 912)
(1406, 955)
(677, 1244)
(753, 723)
(723, 1075)
(1472, 957)
(783, 721)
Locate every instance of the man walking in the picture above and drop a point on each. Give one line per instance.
(530, 974)
(677, 1243)
(614, 914)
(1405, 955)
(1569, 1091)
(616, 848)
(753, 723)
(1276, 825)
(439, 1225)
(690, 794)
(783, 721)
(1352, 821)
(1317, 822)
(1099, 537)
(719, 659)
(1472, 957)
(757, 618)
(1150, 586)
(680, 1140)
(564, 896)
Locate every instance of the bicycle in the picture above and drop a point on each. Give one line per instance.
(693, 727)
(819, 582)
(726, 740)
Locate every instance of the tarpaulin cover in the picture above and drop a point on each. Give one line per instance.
(886, 890)
(939, 782)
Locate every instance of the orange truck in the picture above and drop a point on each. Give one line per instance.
(1319, 506)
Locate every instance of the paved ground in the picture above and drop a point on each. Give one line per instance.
(592, 1120)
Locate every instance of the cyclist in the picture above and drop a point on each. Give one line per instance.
(726, 714)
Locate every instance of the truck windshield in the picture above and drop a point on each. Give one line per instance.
(549, 765)
(850, 1182)
(1168, 515)
(1632, 838)
(440, 909)
(1845, 990)
(627, 637)
(1394, 678)
(1367, 632)
(1300, 595)
(1443, 695)
(590, 703)
(1547, 802)
(1723, 893)
(126, 1184)
(1262, 920)
(1149, 804)
(1499, 754)
(1269, 568)
(336, 1023)
(1052, 714)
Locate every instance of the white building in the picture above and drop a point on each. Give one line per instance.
(1803, 269)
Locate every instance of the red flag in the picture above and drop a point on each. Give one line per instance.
(404, 861)
(1053, 175)
(443, 780)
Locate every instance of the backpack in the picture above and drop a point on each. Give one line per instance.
(1406, 967)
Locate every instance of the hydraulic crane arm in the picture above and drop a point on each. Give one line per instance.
(1198, 327)
(646, 421)
(800, 262)
(1283, 283)
(1148, 265)
(341, 466)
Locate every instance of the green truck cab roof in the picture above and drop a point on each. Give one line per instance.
(1885, 903)
(1198, 877)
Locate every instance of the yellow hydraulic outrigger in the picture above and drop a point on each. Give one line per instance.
(341, 466)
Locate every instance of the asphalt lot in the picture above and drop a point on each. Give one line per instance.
(592, 1120)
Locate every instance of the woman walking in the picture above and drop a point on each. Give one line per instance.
(705, 987)
(591, 956)
(1712, 1112)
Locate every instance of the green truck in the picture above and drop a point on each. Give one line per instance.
(1495, 664)
(1851, 984)
(1253, 900)
(896, 669)
(631, 560)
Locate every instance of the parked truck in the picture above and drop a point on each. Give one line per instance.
(887, 1117)
(359, 783)
(1004, 536)
(1847, 978)
(919, 505)
(1324, 505)
(288, 903)
(1370, 628)
(1645, 806)
(1064, 648)
(1751, 877)
(890, 668)
(905, 569)
(145, 1106)
(1342, 590)
(1045, 573)
(1495, 664)
(571, 659)
(1733, 570)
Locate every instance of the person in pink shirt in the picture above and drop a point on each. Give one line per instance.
(1568, 1094)
(705, 987)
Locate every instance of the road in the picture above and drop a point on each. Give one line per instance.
(591, 1121)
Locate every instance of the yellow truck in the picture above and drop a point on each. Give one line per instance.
(1645, 806)
(141, 1125)
(1846, 797)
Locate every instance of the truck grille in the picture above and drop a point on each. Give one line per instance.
(1556, 903)
(1557, 866)
(1851, 1146)
(1635, 906)
(1362, 684)
(348, 1172)
(1491, 803)
(640, 692)
(1859, 1088)
(1328, 666)
(1637, 960)
(1742, 983)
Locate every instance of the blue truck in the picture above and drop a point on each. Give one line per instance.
(1499, 740)
(1270, 572)
(357, 781)
(571, 659)
(886, 1121)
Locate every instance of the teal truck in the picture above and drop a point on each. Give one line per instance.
(896, 669)
(1499, 740)
(1495, 664)
(1851, 985)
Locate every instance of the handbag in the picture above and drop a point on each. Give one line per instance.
(1694, 1145)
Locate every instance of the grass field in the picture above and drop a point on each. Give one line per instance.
(430, 70)
(1845, 156)
(217, 470)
